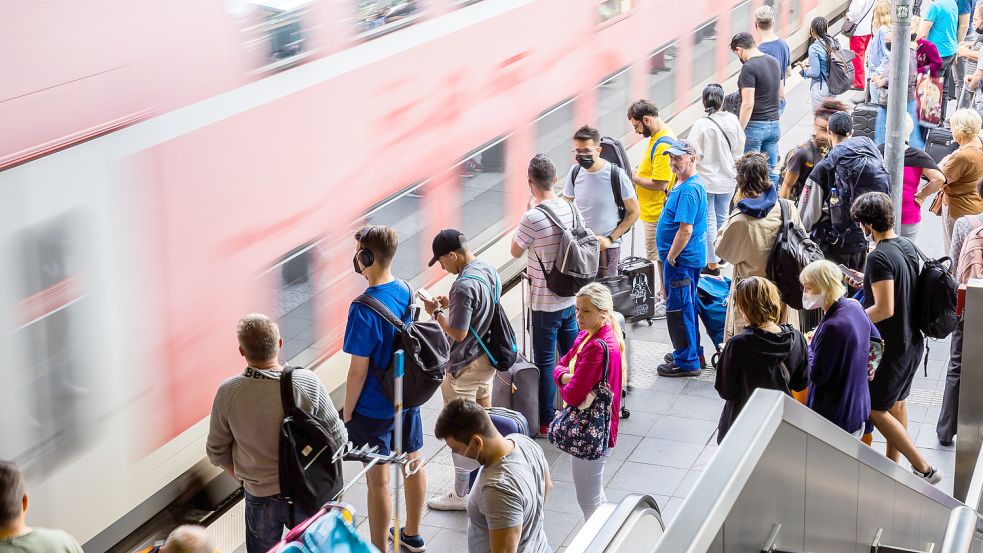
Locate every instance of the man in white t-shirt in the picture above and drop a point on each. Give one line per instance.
(554, 321)
(589, 185)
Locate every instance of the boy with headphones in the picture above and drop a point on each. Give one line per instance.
(368, 413)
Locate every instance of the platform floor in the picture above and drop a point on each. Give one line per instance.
(671, 435)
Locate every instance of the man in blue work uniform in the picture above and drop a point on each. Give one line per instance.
(681, 238)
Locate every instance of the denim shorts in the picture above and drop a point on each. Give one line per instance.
(364, 430)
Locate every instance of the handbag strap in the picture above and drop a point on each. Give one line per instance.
(727, 138)
(607, 360)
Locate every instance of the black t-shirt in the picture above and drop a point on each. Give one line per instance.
(802, 160)
(896, 259)
(913, 157)
(763, 74)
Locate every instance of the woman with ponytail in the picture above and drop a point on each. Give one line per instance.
(719, 140)
(817, 67)
(580, 370)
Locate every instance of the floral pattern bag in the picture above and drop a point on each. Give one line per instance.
(585, 433)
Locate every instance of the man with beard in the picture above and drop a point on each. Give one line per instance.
(800, 161)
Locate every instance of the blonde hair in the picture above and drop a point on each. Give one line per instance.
(258, 337)
(966, 124)
(188, 538)
(758, 299)
(825, 276)
(600, 297)
(882, 15)
(764, 16)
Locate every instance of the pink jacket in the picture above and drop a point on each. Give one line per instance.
(589, 371)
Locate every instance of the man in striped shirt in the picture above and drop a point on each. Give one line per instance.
(554, 323)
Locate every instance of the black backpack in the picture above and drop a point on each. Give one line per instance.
(935, 296)
(840, 77)
(426, 354)
(615, 187)
(577, 256)
(793, 250)
(499, 341)
(858, 168)
(308, 476)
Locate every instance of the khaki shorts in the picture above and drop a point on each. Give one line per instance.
(473, 382)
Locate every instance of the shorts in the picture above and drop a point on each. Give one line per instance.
(473, 381)
(364, 430)
(891, 384)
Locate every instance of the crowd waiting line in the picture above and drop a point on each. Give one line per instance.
(822, 302)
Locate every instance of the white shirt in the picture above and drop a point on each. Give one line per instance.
(862, 11)
(541, 239)
(716, 161)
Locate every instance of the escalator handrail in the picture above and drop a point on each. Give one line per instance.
(609, 521)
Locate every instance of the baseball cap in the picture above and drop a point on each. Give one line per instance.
(680, 147)
(841, 123)
(447, 241)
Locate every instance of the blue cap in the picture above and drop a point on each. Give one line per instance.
(680, 147)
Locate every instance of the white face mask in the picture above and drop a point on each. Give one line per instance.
(812, 301)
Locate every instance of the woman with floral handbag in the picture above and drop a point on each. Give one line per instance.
(589, 380)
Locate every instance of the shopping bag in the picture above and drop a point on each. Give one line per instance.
(928, 98)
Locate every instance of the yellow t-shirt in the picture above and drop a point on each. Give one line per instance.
(656, 168)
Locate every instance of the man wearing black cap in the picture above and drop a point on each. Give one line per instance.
(466, 314)
(681, 239)
(832, 185)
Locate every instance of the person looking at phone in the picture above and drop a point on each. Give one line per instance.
(889, 294)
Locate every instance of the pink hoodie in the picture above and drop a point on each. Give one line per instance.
(589, 370)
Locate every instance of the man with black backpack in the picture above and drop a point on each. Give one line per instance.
(246, 420)
(554, 319)
(605, 196)
(369, 413)
(853, 167)
(466, 315)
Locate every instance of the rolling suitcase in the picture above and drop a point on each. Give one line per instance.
(517, 389)
(508, 421)
(865, 119)
(939, 143)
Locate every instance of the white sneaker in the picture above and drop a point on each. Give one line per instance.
(448, 502)
(933, 476)
(660, 309)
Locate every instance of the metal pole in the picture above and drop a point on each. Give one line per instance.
(897, 104)
(398, 443)
(960, 530)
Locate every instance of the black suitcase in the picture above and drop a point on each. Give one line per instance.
(865, 119)
(634, 289)
(939, 143)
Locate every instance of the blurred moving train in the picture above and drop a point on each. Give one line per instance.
(167, 166)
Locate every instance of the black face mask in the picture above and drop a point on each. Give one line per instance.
(887, 45)
(585, 161)
(358, 268)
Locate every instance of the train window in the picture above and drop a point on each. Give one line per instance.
(554, 130)
(704, 52)
(791, 19)
(662, 79)
(740, 18)
(612, 104)
(294, 301)
(482, 179)
(377, 17)
(275, 31)
(609, 9)
(404, 213)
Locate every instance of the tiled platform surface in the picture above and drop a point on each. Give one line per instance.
(671, 435)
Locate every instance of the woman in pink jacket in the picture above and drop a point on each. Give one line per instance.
(583, 367)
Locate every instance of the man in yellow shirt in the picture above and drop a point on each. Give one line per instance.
(654, 178)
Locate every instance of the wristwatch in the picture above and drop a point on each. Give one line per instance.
(610, 238)
(671, 261)
(437, 312)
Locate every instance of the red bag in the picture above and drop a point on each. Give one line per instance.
(928, 97)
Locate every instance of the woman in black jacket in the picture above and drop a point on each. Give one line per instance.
(764, 355)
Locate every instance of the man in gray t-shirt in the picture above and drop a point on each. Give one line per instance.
(506, 507)
(464, 316)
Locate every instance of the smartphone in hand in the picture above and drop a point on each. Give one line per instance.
(855, 276)
(425, 295)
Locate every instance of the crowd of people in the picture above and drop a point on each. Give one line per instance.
(849, 350)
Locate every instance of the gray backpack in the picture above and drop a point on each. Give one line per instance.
(577, 257)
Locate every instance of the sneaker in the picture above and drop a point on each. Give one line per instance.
(671, 370)
(660, 309)
(669, 358)
(448, 502)
(710, 272)
(411, 543)
(933, 476)
(544, 429)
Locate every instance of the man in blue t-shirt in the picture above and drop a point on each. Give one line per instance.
(940, 27)
(369, 415)
(681, 238)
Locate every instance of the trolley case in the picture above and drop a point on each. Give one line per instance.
(518, 388)
(939, 143)
(864, 119)
(633, 289)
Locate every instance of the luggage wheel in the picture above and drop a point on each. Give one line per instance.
(649, 321)
(715, 359)
(625, 413)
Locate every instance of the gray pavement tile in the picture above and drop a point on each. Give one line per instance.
(705, 457)
(916, 413)
(429, 419)
(650, 479)
(666, 453)
(686, 486)
(675, 385)
(563, 498)
(943, 460)
(445, 519)
(623, 448)
(448, 540)
(696, 407)
(928, 439)
(700, 388)
(649, 401)
(680, 429)
(560, 525)
(637, 425)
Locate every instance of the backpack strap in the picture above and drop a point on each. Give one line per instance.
(551, 215)
(573, 175)
(616, 190)
(381, 310)
(495, 292)
(481, 343)
(287, 390)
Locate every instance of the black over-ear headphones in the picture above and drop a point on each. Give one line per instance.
(364, 255)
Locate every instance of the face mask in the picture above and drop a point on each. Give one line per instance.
(869, 236)
(475, 459)
(585, 161)
(811, 301)
(358, 268)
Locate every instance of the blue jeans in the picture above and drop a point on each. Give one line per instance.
(880, 127)
(266, 517)
(718, 207)
(763, 136)
(551, 332)
(682, 315)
